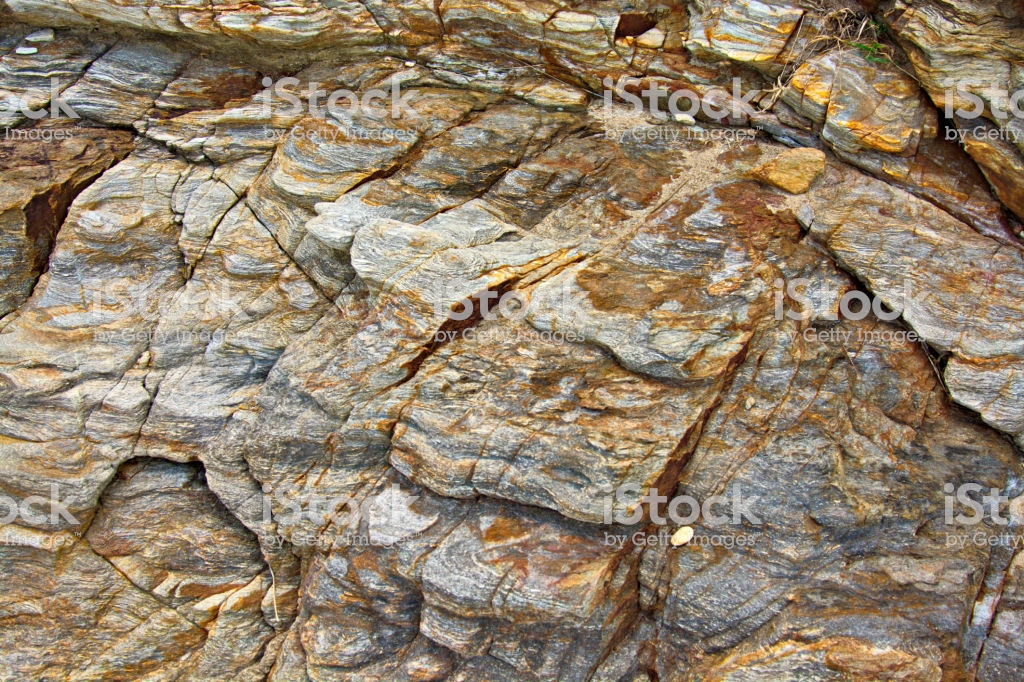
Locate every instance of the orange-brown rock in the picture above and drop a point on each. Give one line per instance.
(794, 170)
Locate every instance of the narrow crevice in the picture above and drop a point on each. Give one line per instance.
(45, 214)
(312, 282)
(140, 588)
(440, 18)
(413, 154)
(450, 329)
(205, 484)
(633, 24)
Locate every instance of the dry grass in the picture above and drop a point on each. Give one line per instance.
(839, 28)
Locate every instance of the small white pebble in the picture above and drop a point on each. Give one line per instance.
(653, 39)
(410, 64)
(682, 536)
(24, 49)
(43, 36)
(685, 119)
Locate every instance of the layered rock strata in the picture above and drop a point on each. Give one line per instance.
(403, 393)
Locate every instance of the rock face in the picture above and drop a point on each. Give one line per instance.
(793, 170)
(42, 174)
(362, 341)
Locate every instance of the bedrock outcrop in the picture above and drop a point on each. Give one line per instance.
(513, 381)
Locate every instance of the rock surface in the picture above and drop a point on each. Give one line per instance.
(434, 388)
(42, 173)
(793, 170)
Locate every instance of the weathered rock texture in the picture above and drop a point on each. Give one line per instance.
(379, 394)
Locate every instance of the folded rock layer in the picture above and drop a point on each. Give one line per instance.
(483, 372)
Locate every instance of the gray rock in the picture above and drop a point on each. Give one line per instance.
(258, 422)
